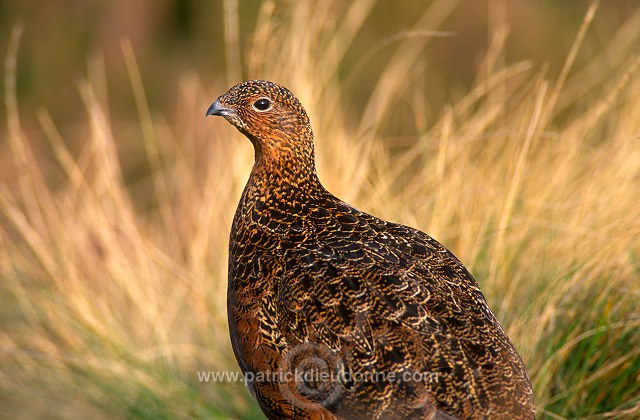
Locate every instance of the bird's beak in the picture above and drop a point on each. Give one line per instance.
(217, 109)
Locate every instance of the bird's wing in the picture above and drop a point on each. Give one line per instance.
(343, 289)
(386, 307)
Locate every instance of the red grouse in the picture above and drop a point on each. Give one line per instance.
(337, 314)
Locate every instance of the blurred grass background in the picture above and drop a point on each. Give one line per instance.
(509, 131)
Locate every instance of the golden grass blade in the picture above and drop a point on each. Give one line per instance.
(497, 261)
(232, 40)
(571, 57)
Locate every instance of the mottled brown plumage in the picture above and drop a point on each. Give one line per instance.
(335, 313)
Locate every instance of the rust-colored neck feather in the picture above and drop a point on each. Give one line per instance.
(284, 160)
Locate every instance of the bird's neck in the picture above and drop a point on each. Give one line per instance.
(279, 168)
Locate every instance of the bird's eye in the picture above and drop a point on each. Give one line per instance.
(262, 104)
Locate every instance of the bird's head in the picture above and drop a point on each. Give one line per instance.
(267, 113)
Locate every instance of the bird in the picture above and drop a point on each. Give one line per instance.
(337, 314)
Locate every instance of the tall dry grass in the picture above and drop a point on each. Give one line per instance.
(113, 291)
